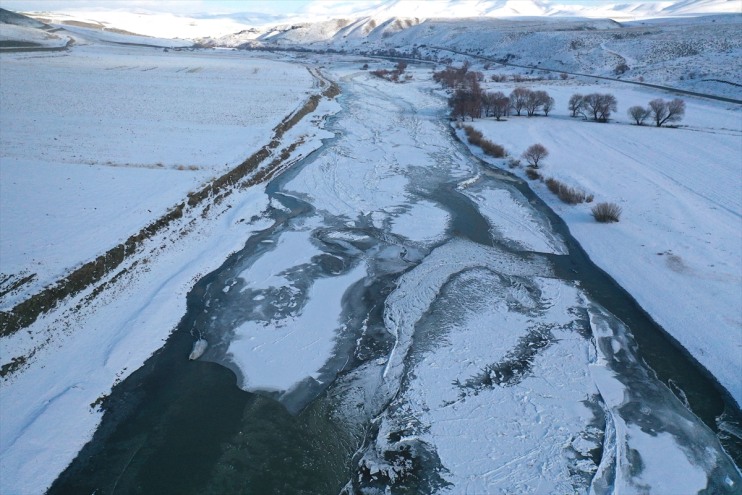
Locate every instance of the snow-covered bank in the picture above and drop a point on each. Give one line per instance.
(49, 408)
(677, 246)
(99, 142)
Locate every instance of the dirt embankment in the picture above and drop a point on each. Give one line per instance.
(248, 173)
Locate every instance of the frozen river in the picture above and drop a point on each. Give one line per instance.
(410, 319)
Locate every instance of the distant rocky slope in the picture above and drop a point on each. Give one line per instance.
(18, 31)
(695, 53)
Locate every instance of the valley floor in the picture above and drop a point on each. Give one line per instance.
(489, 366)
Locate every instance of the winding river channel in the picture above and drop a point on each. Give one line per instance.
(412, 320)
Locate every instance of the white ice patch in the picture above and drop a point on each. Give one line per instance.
(653, 443)
(511, 219)
(422, 222)
(199, 347)
(293, 248)
(281, 354)
(665, 467)
(418, 288)
(514, 438)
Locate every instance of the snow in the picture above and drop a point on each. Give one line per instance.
(462, 315)
(277, 356)
(99, 132)
(409, 226)
(50, 408)
(677, 246)
(9, 32)
(510, 220)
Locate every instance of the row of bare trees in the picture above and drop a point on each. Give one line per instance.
(659, 110)
(470, 100)
(530, 101)
(596, 106)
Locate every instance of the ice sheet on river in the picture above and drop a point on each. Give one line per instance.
(512, 219)
(503, 389)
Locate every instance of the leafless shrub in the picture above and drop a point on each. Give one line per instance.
(568, 194)
(492, 149)
(606, 212)
(621, 68)
(476, 138)
(513, 163)
(533, 174)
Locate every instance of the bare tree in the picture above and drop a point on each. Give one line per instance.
(532, 103)
(534, 154)
(663, 111)
(599, 106)
(500, 105)
(639, 114)
(536, 100)
(547, 105)
(575, 104)
(487, 103)
(518, 99)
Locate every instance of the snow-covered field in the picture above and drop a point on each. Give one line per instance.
(99, 142)
(677, 246)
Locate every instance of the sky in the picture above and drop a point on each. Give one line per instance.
(276, 7)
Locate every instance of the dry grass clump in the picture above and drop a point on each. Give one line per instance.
(476, 138)
(513, 163)
(492, 149)
(568, 194)
(533, 174)
(606, 212)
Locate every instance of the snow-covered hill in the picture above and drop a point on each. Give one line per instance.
(694, 53)
(170, 24)
(20, 31)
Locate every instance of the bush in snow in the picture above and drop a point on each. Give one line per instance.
(534, 154)
(568, 194)
(533, 174)
(492, 149)
(606, 212)
(476, 138)
(621, 68)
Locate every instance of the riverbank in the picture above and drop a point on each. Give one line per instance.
(676, 247)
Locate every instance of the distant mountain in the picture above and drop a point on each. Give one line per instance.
(529, 8)
(193, 26)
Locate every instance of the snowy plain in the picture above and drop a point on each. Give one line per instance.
(99, 142)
